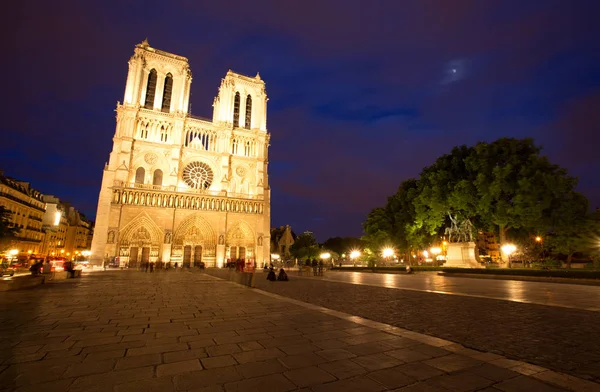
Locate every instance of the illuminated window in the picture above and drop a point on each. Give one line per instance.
(150, 90)
(157, 177)
(166, 102)
(248, 111)
(140, 173)
(236, 111)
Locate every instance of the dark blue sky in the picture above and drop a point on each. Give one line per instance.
(363, 94)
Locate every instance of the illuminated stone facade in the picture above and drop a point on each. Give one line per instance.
(27, 210)
(178, 188)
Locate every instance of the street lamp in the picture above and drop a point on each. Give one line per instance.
(355, 254)
(538, 239)
(387, 253)
(508, 249)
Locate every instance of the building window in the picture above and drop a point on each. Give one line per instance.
(198, 175)
(248, 111)
(140, 173)
(150, 90)
(166, 102)
(234, 146)
(157, 177)
(163, 134)
(236, 111)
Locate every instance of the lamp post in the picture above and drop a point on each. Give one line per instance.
(355, 254)
(387, 253)
(508, 249)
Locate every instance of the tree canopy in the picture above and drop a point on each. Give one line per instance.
(499, 186)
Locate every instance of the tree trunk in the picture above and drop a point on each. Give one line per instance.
(569, 258)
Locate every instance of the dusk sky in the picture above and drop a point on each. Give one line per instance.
(362, 94)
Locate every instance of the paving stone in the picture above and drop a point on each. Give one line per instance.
(271, 383)
(408, 355)
(358, 384)
(424, 386)
(391, 378)
(419, 370)
(160, 384)
(525, 384)
(368, 348)
(50, 386)
(567, 381)
(258, 355)
(222, 349)
(93, 367)
(263, 368)
(176, 356)
(308, 376)
(206, 378)
(492, 372)
(174, 368)
(138, 361)
(106, 381)
(462, 381)
(377, 361)
(249, 346)
(301, 360)
(159, 348)
(216, 362)
(335, 354)
(112, 354)
(344, 368)
(453, 362)
(294, 349)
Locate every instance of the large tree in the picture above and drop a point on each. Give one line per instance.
(498, 186)
(515, 186)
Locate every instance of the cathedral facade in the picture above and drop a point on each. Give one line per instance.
(178, 188)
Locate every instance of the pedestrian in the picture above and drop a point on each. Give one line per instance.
(48, 270)
(282, 276)
(314, 266)
(176, 266)
(271, 275)
(147, 265)
(151, 267)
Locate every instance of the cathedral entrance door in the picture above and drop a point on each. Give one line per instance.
(233, 253)
(242, 252)
(197, 255)
(133, 256)
(187, 255)
(146, 255)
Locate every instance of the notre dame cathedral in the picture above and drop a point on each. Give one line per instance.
(180, 188)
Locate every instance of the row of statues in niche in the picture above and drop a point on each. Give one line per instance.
(194, 203)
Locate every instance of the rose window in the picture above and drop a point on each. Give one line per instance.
(198, 175)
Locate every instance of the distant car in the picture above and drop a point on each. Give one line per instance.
(7, 270)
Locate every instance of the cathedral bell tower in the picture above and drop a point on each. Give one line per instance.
(158, 80)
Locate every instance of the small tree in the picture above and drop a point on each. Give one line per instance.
(305, 246)
(7, 231)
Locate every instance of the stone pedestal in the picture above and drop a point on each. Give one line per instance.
(461, 255)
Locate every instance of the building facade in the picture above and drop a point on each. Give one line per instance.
(178, 188)
(27, 211)
(282, 239)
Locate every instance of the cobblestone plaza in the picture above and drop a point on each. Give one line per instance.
(189, 331)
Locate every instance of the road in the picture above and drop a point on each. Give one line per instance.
(551, 294)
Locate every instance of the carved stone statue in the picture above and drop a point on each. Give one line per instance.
(260, 240)
(168, 237)
(221, 240)
(459, 231)
(111, 237)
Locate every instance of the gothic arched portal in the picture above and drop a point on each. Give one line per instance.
(194, 241)
(140, 241)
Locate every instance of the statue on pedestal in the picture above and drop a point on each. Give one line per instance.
(459, 231)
